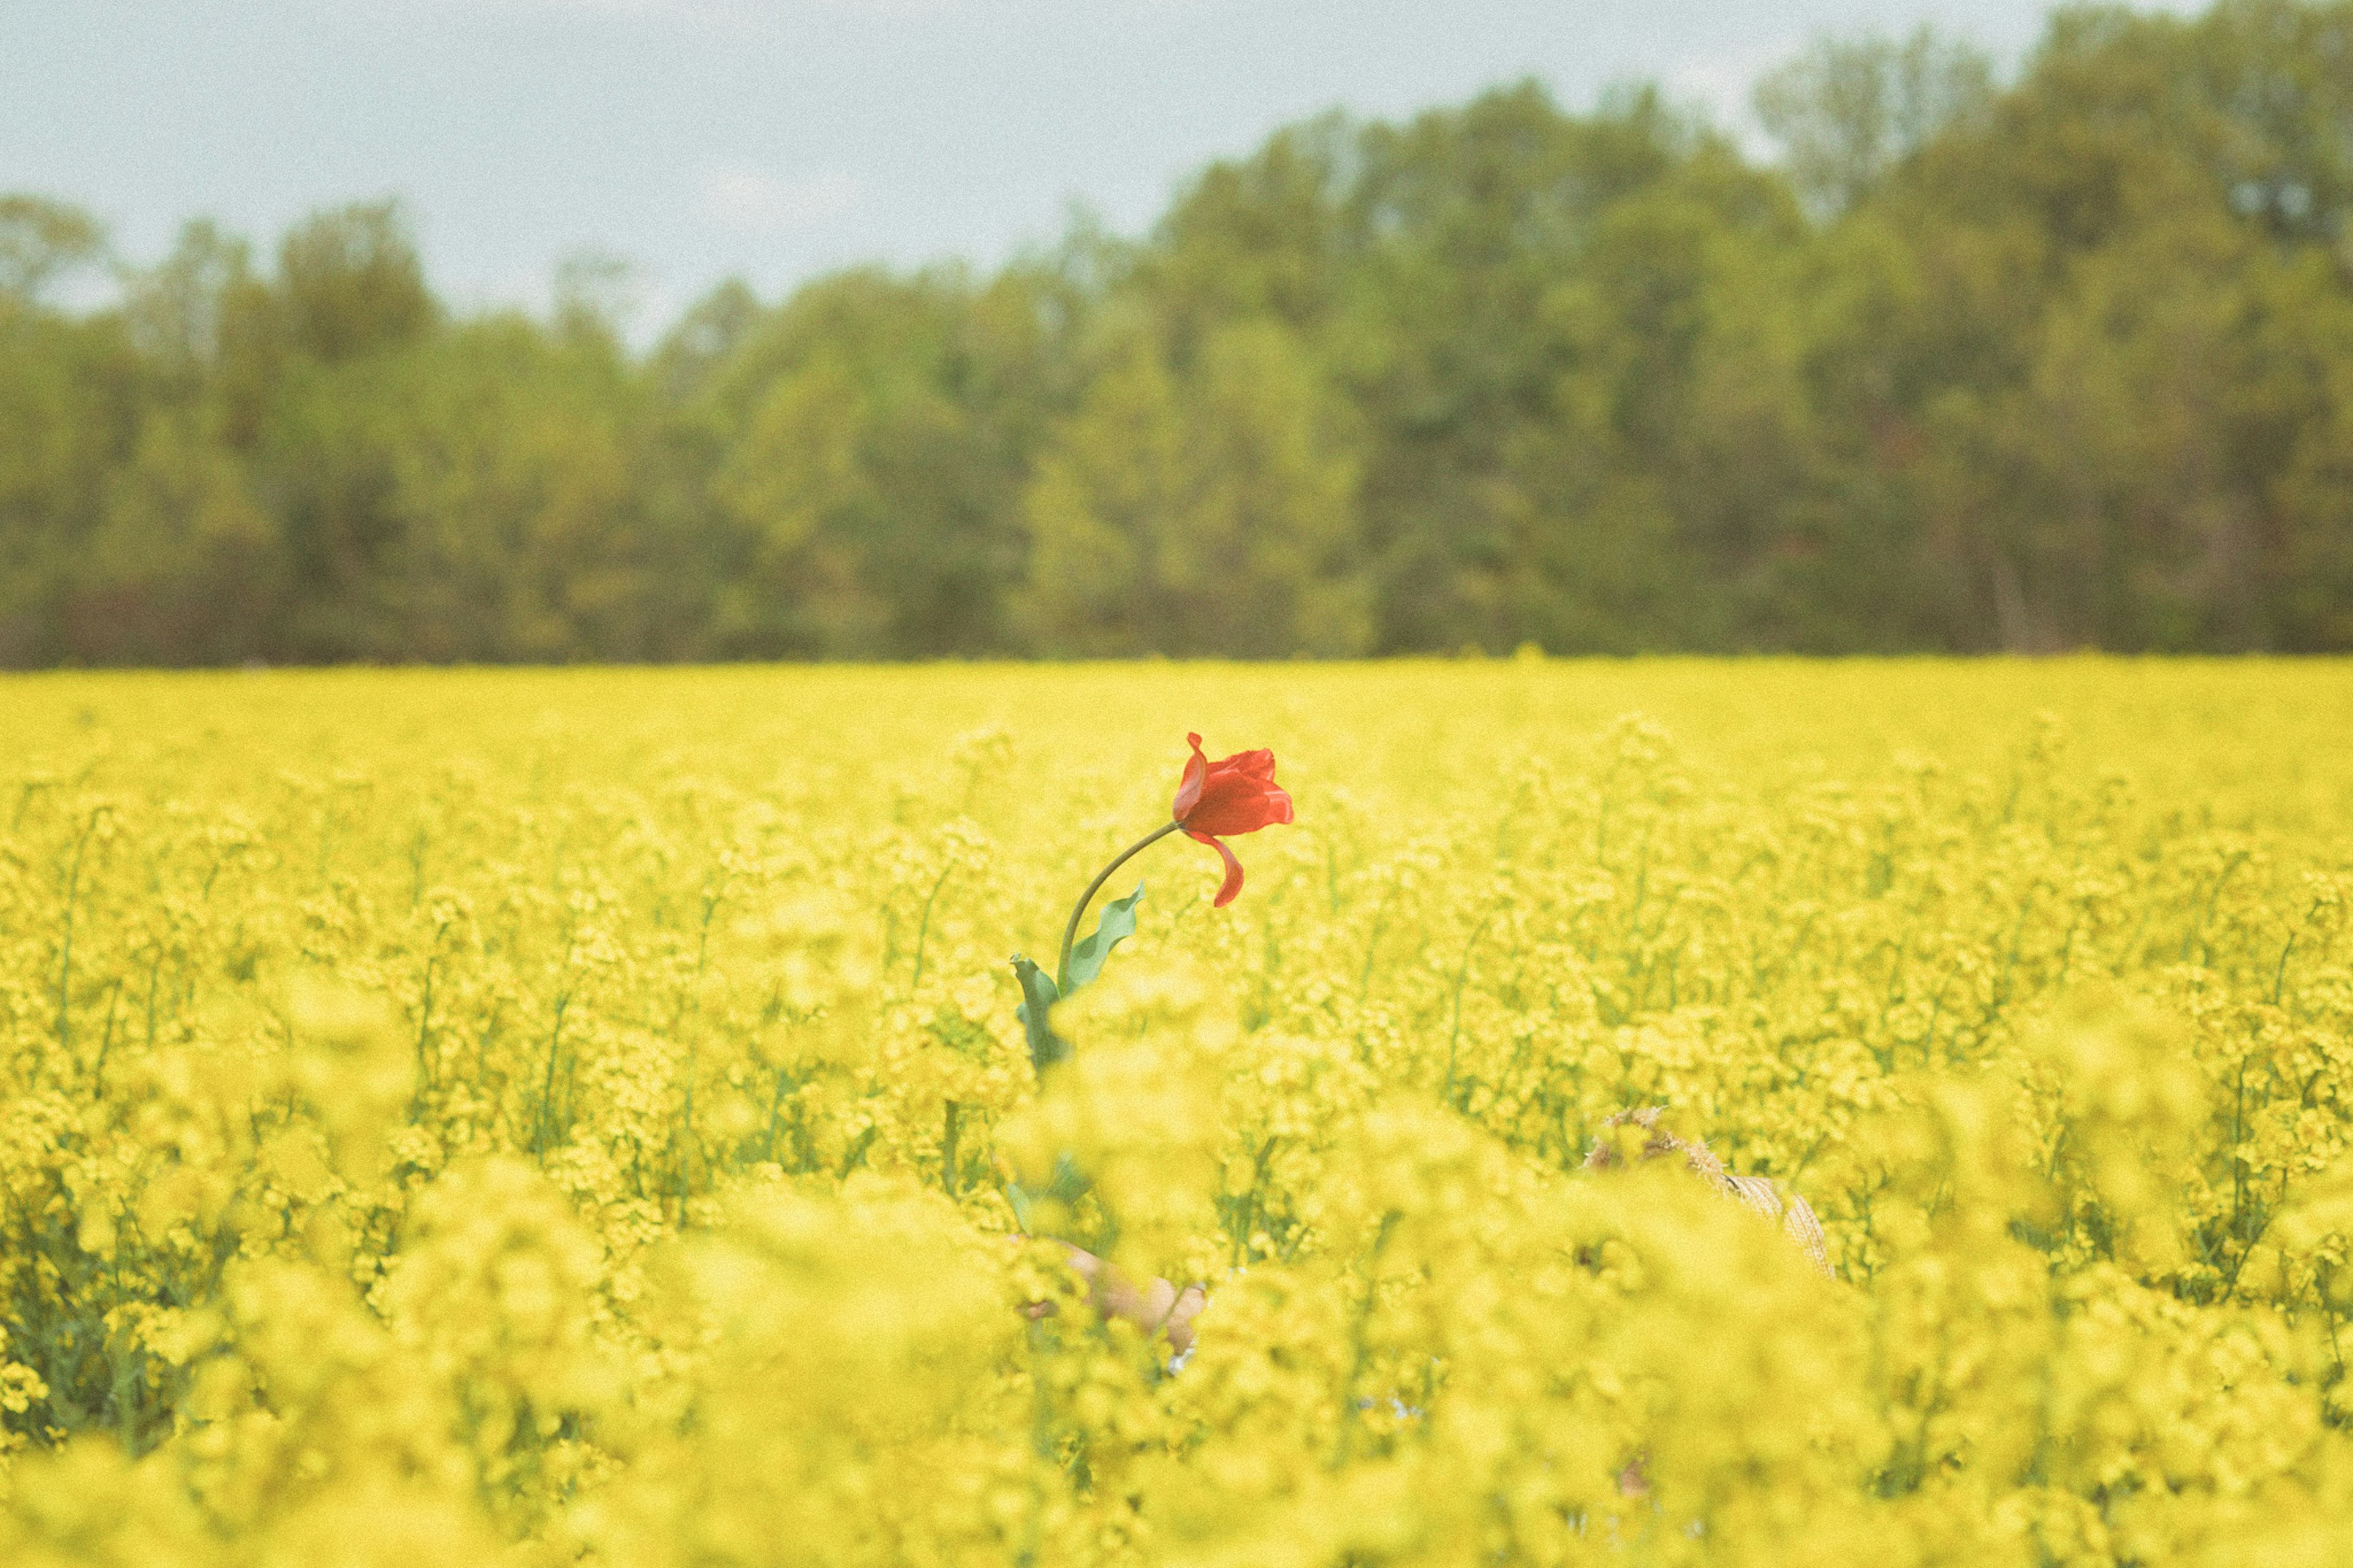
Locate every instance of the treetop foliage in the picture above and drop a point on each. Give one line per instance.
(2059, 363)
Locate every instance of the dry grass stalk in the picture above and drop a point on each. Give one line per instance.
(1759, 1194)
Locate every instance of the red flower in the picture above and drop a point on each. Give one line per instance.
(1234, 795)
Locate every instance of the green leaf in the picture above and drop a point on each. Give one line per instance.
(1066, 1185)
(1039, 995)
(1087, 954)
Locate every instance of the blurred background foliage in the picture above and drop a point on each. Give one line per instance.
(1969, 366)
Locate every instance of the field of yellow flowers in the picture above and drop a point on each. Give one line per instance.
(543, 1118)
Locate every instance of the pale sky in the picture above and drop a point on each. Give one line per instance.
(777, 139)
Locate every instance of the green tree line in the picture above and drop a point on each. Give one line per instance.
(1964, 365)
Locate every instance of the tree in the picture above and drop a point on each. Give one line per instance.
(1212, 512)
(351, 283)
(709, 332)
(470, 497)
(2058, 363)
(184, 566)
(868, 441)
(42, 239)
(1849, 109)
(209, 331)
(70, 414)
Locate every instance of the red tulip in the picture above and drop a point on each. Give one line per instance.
(1218, 799)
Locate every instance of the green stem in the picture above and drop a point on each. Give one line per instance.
(1071, 932)
(923, 930)
(948, 1149)
(73, 891)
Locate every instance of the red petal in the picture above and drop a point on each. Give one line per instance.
(1257, 764)
(1233, 884)
(1233, 806)
(1188, 788)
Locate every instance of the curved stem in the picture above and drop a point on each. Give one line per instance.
(1071, 932)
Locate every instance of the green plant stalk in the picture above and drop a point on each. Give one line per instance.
(73, 891)
(1071, 932)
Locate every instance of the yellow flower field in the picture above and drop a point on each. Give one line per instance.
(567, 1117)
